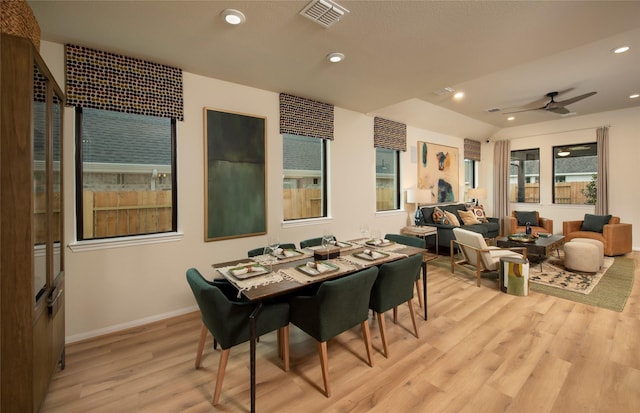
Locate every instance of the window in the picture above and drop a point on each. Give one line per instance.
(524, 176)
(575, 172)
(387, 179)
(125, 178)
(304, 184)
(469, 175)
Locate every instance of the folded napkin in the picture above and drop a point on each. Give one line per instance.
(372, 253)
(289, 253)
(244, 270)
(320, 267)
(278, 251)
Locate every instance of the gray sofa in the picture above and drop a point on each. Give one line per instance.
(490, 229)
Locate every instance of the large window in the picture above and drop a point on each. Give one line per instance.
(387, 179)
(469, 176)
(575, 172)
(305, 177)
(524, 176)
(125, 174)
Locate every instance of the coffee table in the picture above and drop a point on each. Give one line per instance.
(539, 249)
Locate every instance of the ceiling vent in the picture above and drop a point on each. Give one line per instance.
(492, 110)
(324, 12)
(444, 91)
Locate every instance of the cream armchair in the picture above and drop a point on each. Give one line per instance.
(615, 236)
(477, 254)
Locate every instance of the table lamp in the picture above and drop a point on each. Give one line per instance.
(417, 197)
(477, 193)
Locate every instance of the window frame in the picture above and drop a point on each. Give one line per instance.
(324, 173)
(396, 172)
(517, 200)
(554, 150)
(118, 240)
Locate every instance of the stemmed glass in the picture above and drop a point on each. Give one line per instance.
(364, 230)
(327, 237)
(273, 243)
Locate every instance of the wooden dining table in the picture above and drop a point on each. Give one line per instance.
(283, 277)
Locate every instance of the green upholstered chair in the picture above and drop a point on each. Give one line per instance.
(260, 251)
(413, 242)
(312, 242)
(393, 287)
(228, 321)
(337, 306)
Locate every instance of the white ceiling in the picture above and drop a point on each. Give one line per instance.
(502, 54)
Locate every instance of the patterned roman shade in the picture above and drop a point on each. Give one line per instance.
(102, 80)
(471, 150)
(305, 117)
(389, 134)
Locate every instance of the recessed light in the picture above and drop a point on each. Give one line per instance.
(634, 96)
(620, 49)
(458, 95)
(335, 57)
(233, 16)
(511, 118)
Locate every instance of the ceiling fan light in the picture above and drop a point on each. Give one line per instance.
(564, 153)
(233, 16)
(620, 49)
(634, 96)
(458, 95)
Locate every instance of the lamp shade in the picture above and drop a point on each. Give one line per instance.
(418, 196)
(477, 193)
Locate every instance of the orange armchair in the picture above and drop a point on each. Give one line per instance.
(615, 237)
(544, 224)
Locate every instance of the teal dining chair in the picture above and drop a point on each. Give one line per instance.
(337, 306)
(227, 319)
(312, 242)
(412, 242)
(393, 287)
(260, 250)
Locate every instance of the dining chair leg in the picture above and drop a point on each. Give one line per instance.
(418, 292)
(366, 334)
(413, 318)
(222, 366)
(324, 365)
(383, 334)
(203, 337)
(395, 315)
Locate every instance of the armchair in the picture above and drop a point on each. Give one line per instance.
(518, 220)
(615, 236)
(477, 254)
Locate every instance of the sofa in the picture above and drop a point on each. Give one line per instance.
(614, 235)
(489, 229)
(518, 219)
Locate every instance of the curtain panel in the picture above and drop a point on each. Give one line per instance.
(602, 184)
(472, 150)
(102, 80)
(389, 134)
(501, 160)
(305, 117)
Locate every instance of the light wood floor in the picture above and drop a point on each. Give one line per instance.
(480, 351)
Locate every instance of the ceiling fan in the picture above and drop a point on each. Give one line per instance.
(557, 107)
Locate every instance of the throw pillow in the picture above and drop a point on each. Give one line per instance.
(439, 217)
(526, 216)
(478, 211)
(468, 217)
(453, 219)
(594, 223)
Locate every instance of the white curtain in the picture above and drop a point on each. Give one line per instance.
(602, 184)
(501, 160)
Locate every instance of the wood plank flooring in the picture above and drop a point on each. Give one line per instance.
(480, 351)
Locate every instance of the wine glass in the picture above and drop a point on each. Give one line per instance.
(375, 234)
(364, 230)
(327, 237)
(273, 243)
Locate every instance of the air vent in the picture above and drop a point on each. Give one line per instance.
(324, 12)
(444, 91)
(492, 110)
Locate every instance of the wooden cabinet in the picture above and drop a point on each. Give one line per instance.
(31, 208)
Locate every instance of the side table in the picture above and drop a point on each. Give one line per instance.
(422, 232)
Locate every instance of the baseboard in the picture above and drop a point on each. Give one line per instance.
(135, 323)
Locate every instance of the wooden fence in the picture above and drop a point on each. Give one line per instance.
(108, 214)
(566, 193)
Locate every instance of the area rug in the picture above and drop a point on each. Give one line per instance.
(554, 274)
(611, 292)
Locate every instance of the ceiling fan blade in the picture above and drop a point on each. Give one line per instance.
(525, 110)
(560, 110)
(575, 99)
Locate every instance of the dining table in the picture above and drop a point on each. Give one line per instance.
(286, 271)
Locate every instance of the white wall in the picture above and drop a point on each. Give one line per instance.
(624, 163)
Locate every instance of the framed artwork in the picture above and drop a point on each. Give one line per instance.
(438, 171)
(235, 175)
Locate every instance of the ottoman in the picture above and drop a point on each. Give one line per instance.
(595, 242)
(582, 256)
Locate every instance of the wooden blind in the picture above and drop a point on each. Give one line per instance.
(471, 150)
